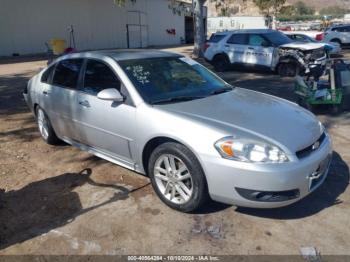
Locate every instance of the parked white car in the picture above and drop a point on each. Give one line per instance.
(262, 48)
(339, 34)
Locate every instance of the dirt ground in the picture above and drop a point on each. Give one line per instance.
(59, 200)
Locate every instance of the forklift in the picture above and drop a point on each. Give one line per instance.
(327, 84)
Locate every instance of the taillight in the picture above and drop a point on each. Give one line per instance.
(319, 37)
(206, 46)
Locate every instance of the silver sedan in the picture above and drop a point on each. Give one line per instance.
(194, 135)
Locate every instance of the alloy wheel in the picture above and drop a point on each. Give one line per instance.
(173, 179)
(43, 124)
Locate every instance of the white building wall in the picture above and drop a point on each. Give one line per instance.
(217, 24)
(25, 25)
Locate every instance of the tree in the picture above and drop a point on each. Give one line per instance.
(269, 8)
(199, 37)
(302, 9)
(334, 11)
(288, 10)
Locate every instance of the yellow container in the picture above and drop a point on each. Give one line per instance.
(58, 46)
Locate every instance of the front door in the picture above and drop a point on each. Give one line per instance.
(258, 52)
(107, 126)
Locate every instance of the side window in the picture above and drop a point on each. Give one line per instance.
(347, 29)
(98, 76)
(256, 40)
(238, 39)
(46, 76)
(67, 73)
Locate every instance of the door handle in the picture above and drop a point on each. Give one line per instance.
(45, 92)
(251, 48)
(226, 45)
(84, 103)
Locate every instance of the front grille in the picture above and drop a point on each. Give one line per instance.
(308, 150)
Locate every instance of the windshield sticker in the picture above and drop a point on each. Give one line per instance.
(188, 61)
(139, 73)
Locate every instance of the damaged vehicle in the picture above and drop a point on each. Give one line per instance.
(262, 48)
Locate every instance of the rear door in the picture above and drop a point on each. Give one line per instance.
(260, 51)
(236, 47)
(59, 97)
(107, 126)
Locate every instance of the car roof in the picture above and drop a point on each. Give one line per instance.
(340, 25)
(123, 54)
(248, 31)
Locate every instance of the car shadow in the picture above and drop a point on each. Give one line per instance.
(327, 195)
(47, 204)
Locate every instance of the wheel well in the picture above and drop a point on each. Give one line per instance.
(35, 108)
(221, 54)
(150, 146)
(335, 40)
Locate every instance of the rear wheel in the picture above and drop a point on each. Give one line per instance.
(221, 63)
(45, 128)
(177, 177)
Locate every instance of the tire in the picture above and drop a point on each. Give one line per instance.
(336, 109)
(221, 63)
(287, 69)
(167, 185)
(45, 128)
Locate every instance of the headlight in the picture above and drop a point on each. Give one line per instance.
(247, 150)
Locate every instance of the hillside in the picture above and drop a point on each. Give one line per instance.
(240, 7)
(318, 4)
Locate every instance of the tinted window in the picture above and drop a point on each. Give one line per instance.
(278, 38)
(46, 77)
(238, 39)
(256, 40)
(342, 29)
(347, 29)
(159, 79)
(216, 38)
(98, 76)
(67, 73)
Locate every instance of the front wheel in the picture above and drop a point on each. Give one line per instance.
(177, 177)
(287, 69)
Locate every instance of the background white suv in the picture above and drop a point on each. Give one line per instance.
(339, 34)
(261, 48)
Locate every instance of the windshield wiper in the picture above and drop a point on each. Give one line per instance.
(176, 99)
(221, 90)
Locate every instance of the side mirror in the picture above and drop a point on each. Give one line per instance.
(111, 94)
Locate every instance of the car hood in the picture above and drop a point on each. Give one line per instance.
(268, 117)
(303, 46)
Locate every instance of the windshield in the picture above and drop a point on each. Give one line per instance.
(172, 79)
(278, 38)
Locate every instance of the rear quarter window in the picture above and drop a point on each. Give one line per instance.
(47, 75)
(216, 38)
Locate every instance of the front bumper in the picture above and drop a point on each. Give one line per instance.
(227, 178)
